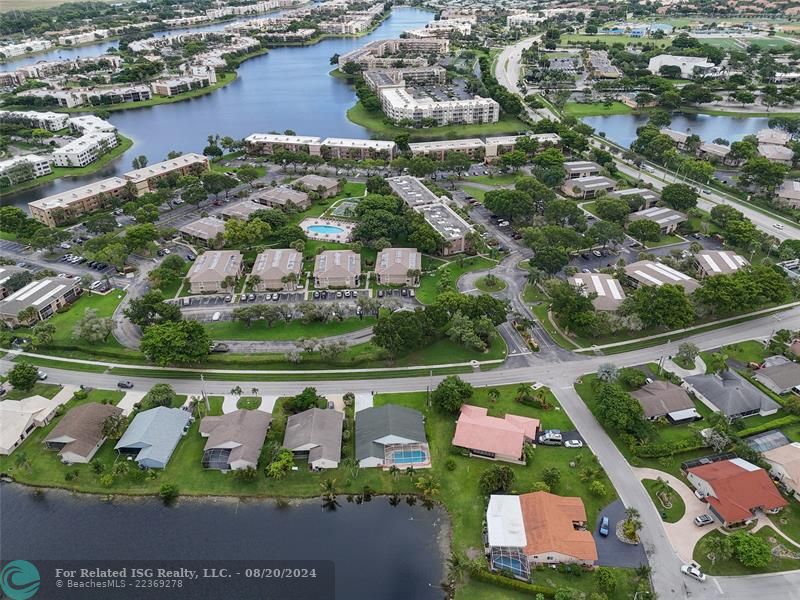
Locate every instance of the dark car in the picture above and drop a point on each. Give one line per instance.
(380, 294)
(604, 527)
(124, 385)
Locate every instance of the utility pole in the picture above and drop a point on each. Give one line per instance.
(203, 393)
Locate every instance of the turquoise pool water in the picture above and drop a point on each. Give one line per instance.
(408, 456)
(325, 229)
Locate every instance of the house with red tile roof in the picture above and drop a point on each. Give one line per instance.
(494, 437)
(736, 489)
(537, 529)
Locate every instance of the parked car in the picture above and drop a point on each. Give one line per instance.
(693, 572)
(597, 253)
(124, 385)
(243, 298)
(216, 316)
(703, 520)
(316, 295)
(41, 375)
(573, 444)
(551, 438)
(251, 297)
(228, 298)
(219, 347)
(276, 297)
(604, 527)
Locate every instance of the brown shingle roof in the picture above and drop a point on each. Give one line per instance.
(83, 425)
(662, 397)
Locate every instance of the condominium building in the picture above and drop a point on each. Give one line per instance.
(666, 218)
(400, 104)
(25, 47)
(337, 269)
(378, 79)
(497, 146)
(326, 187)
(581, 168)
(215, 271)
(269, 143)
(207, 230)
(282, 197)
(649, 197)
(719, 262)
(718, 153)
(608, 292)
(412, 191)
(117, 95)
(357, 149)
(38, 300)
(62, 98)
(648, 272)
(146, 178)
(452, 228)
(386, 53)
(678, 137)
(778, 154)
(85, 150)
(60, 208)
(690, 66)
(86, 37)
(240, 210)
(398, 266)
(588, 187)
(277, 270)
(789, 193)
(90, 123)
(23, 168)
(178, 85)
(44, 120)
(777, 137)
(523, 20)
(474, 148)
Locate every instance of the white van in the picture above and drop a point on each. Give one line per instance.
(216, 316)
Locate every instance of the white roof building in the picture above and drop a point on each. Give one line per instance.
(719, 262)
(689, 65)
(18, 418)
(609, 291)
(648, 272)
(504, 524)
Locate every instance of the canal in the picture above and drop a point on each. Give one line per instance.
(380, 552)
(287, 88)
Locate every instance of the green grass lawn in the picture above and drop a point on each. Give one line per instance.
(48, 390)
(724, 43)
(249, 402)
(483, 285)
(429, 282)
(733, 567)
(376, 124)
(503, 179)
(236, 330)
(539, 304)
(675, 512)
(665, 240)
(595, 109)
(583, 38)
(475, 192)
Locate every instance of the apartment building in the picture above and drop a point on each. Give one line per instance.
(678, 137)
(377, 79)
(44, 120)
(25, 47)
(269, 143)
(240, 210)
(117, 95)
(38, 300)
(777, 154)
(789, 193)
(649, 197)
(89, 124)
(398, 266)
(207, 231)
(282, 197)
(453, 229)
(337, 269)
(400, 104)
(277, 270)
(474, 148)
(6, 272)
(581, 168)
(179, 85)
(60, 208)
(24, 168)
(85, 150)
(608, 292)
(497, 146)
(412, 191)
(648, 272)
(719, 262)
(215, 271)
(357, 149)
(326, 187)
(385, 53)
(666, 218)
(146, 178)
(588, 187)
(62, 98)
(86, 37)
(718, 153)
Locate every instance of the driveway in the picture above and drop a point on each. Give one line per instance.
(610, 551)
(129, 400)
(683, 535)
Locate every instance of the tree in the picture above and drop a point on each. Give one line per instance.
(607, 372)
(91, 327)
(138, 237)
(597, 488)
(687, 352)
(42, 334)
(151, 309)
(718, 547)
(513, 204)
(100, 223)
(161, 394)
(617, 409)
(451, 394)
(168, 493)
(550, 260)
(606, 581)
(611, 209)
(306, 399)
(280, 465)
(23, 376)
(18, 281)
(551, 476)
(140, 162)
(605, 232)
(179, 342)
(679, 196)
(665, 306)
(496, 479)
(763, 173)
(750, 550)
(214, 183)
(645, 230)
(247, 175)
(113, 426)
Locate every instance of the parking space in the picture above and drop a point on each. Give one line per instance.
(611, 552)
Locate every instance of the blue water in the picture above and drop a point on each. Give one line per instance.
(408, 456)
(325, 229)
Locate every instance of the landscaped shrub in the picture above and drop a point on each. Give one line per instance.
(511, 584)
(665, 448)
(775, 424)
(450, 464)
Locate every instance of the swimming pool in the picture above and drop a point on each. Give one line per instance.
(325, 229)
(508, 563)
(402, 457)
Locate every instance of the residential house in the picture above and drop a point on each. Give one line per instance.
(780, 378)
(536, 529)
(608, 292)
(666, 218)
(277, 270)
(234, 440)
(777, 137)
(648, 272)
(208, 231)
(718, 262)
(215, 271)
(785, 466)
(153, 435)
(664, 399)
(326, 187)
(731, 394)
(736, 490)
(316, 434)
(38, 300)
(493, 437)
(18, 418)
(391, 435)
(718, 153)
(777, 154)
(79, 433)
(588, 187)
(789, 193)
(337, 269)
(282, 197)
(398, 266)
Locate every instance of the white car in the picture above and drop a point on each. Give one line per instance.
(693, 572)
(573, 444)
(775, 225)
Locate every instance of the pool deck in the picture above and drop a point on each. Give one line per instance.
(342, 237)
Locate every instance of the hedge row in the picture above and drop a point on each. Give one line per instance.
(666, 449)
(511, 584)
(776, 424)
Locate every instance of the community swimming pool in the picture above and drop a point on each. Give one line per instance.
(325, 229)
(403, 457)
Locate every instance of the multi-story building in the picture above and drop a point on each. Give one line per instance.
(387, 53)
(146, 178)
(277, 270)
(6, 273)
(44, 120)
(240, 210)
(179, 85)
(90, 123)
(337, 269)
(357, 149)
(718, 262)
(24, 168)
(85, 150)
(25, 47)
(402, 105)
(208, 231)
(666, 218)
(378, 79)
(649, 197)
(87, 37)
(789, 193)
(648, 272)
(215, 271)
(412, 191)
(282, 197)
(62, 98)
(607, 291)
(38, 300)
(398, 266)
(269, 143)
(474, 148)
(497, 146)
(678, 137)
(60, 208)
(581, 168)
(588, 187)
(453, 229)
(117, 95)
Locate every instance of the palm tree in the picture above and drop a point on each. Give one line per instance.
(254, 280)
(410, 471)
(524, 390)
(494, 395)
(236, 391)
(351, 464)
(429, 487)
(394, 471)
(457, 565)
(328, 488)
(229, 282)
(254, 391)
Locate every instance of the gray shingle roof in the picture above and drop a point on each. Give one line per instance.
(731, 393)
(375, 423)
(243, 431)
(316, 426)
(782, 377)
(156, 431)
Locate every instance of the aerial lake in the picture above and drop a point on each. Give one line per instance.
(380, 552)
(622, 128)
(287, 88)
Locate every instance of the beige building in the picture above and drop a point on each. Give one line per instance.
(275, 267)
(398, 266)
(325, 186)
(240, 210)
(337, 269)
(497, 146)
(785, 466)
(19, 418)
(79, 433)
(357, 149)
(59, 208)
(719, 262)
(789, 193)
(412, 191)
(269, 143)
(44, 297)
(474, 148)
(449, 225)
(208, 231)
(608, 290)
(211, 270)
(649, 197)
(666, 218)
(648, 272)
(146, 179)
(588, 187)
(282, 197)
(581, 168)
